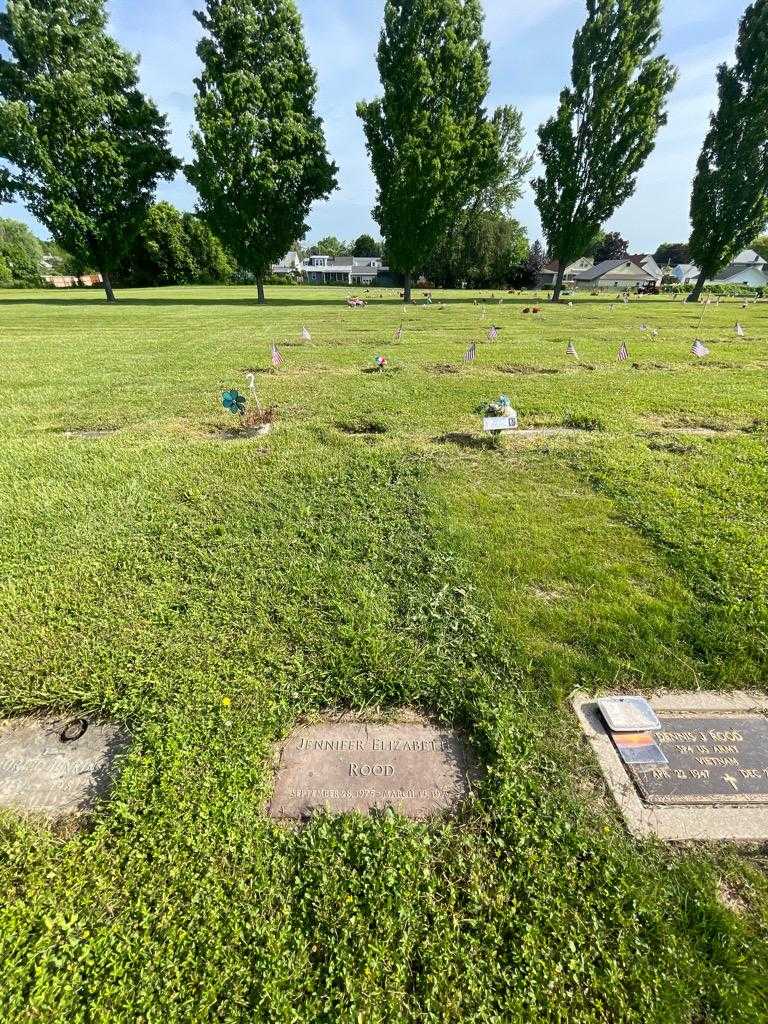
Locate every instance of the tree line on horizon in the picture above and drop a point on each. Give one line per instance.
(85, 149)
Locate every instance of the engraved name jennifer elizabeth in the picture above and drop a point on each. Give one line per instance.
(373, 744)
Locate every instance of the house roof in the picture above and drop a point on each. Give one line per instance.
(748, 256)
(737, 270)
(609, 267)
(553, 266)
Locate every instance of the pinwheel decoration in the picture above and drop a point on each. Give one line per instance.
(382, 362)
(234, 401)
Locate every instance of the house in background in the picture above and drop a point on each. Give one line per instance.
(340, 270)
(289, 264)
(548, 273)
(748, 268)
(647, 262)
(618, 274)
(686, 273)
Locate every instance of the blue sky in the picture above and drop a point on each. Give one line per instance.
(530, 52)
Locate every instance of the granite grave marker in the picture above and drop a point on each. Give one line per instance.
(56, 766)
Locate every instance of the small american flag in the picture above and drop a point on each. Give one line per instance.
(471, 353)
(493, 334)
(399, 333)
(277, 359)
(623, 353)
(306, 336)
(739, 330)
(571, 350)
(699, 349)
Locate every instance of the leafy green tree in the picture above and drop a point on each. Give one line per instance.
(482, 250)
(261, 158)
(611, 247)
(760, 245)
(85, 148)
(533, 264)
(213, 264)
(672, 253)
(605, 126)
(21, 254)
(729, 203)
(175, 248)
(431, 145)
(513, 166)
(366, 245)
(329, 246)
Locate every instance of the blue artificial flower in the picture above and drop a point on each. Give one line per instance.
(233, 401)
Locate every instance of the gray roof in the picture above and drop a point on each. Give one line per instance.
(748, 256)
(607, 267)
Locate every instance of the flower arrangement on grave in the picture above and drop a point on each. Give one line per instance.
(500, 407)
(252, 416)
(382, 363)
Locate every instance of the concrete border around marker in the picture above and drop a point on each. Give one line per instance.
(724, 822)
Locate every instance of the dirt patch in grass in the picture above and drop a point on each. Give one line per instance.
(382, 373)
(521, 368)
(673, 447)
(363, 427)
(441, 368)
(473, 442)
(732, 896)
(691, 426)
(242, 433)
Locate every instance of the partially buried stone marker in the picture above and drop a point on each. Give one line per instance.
(56, 766)
(347, 765)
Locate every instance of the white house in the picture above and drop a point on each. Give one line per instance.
(686, 273)
(748, 268)
(619, 274)
(289, 264)
(548, 273)
(647, 262)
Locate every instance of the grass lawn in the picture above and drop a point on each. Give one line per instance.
(375, 551)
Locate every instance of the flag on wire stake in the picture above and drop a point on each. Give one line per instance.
(699, 349)
(571, 350)
(493, 333)
(277, 359)
(623, 353)
(739, 330)
(305, 335)
(399, 333)
(471, 353)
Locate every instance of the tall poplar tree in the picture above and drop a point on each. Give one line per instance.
(729, 203)
(605, 126)
(431, 145)
(85, 148)
(261, 158)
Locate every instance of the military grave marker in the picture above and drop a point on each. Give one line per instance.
(712, 781)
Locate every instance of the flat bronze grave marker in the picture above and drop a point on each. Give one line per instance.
(345, 766)
(713, 759)
(54, 766)
(715, 785)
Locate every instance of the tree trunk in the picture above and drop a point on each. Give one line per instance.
(696, 293)
(111, 297)
(407, 288)
(558, 283)
(260, 290)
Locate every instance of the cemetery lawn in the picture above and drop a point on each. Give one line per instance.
(375, 551)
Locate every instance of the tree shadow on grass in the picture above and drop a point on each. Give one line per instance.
(287, 302)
